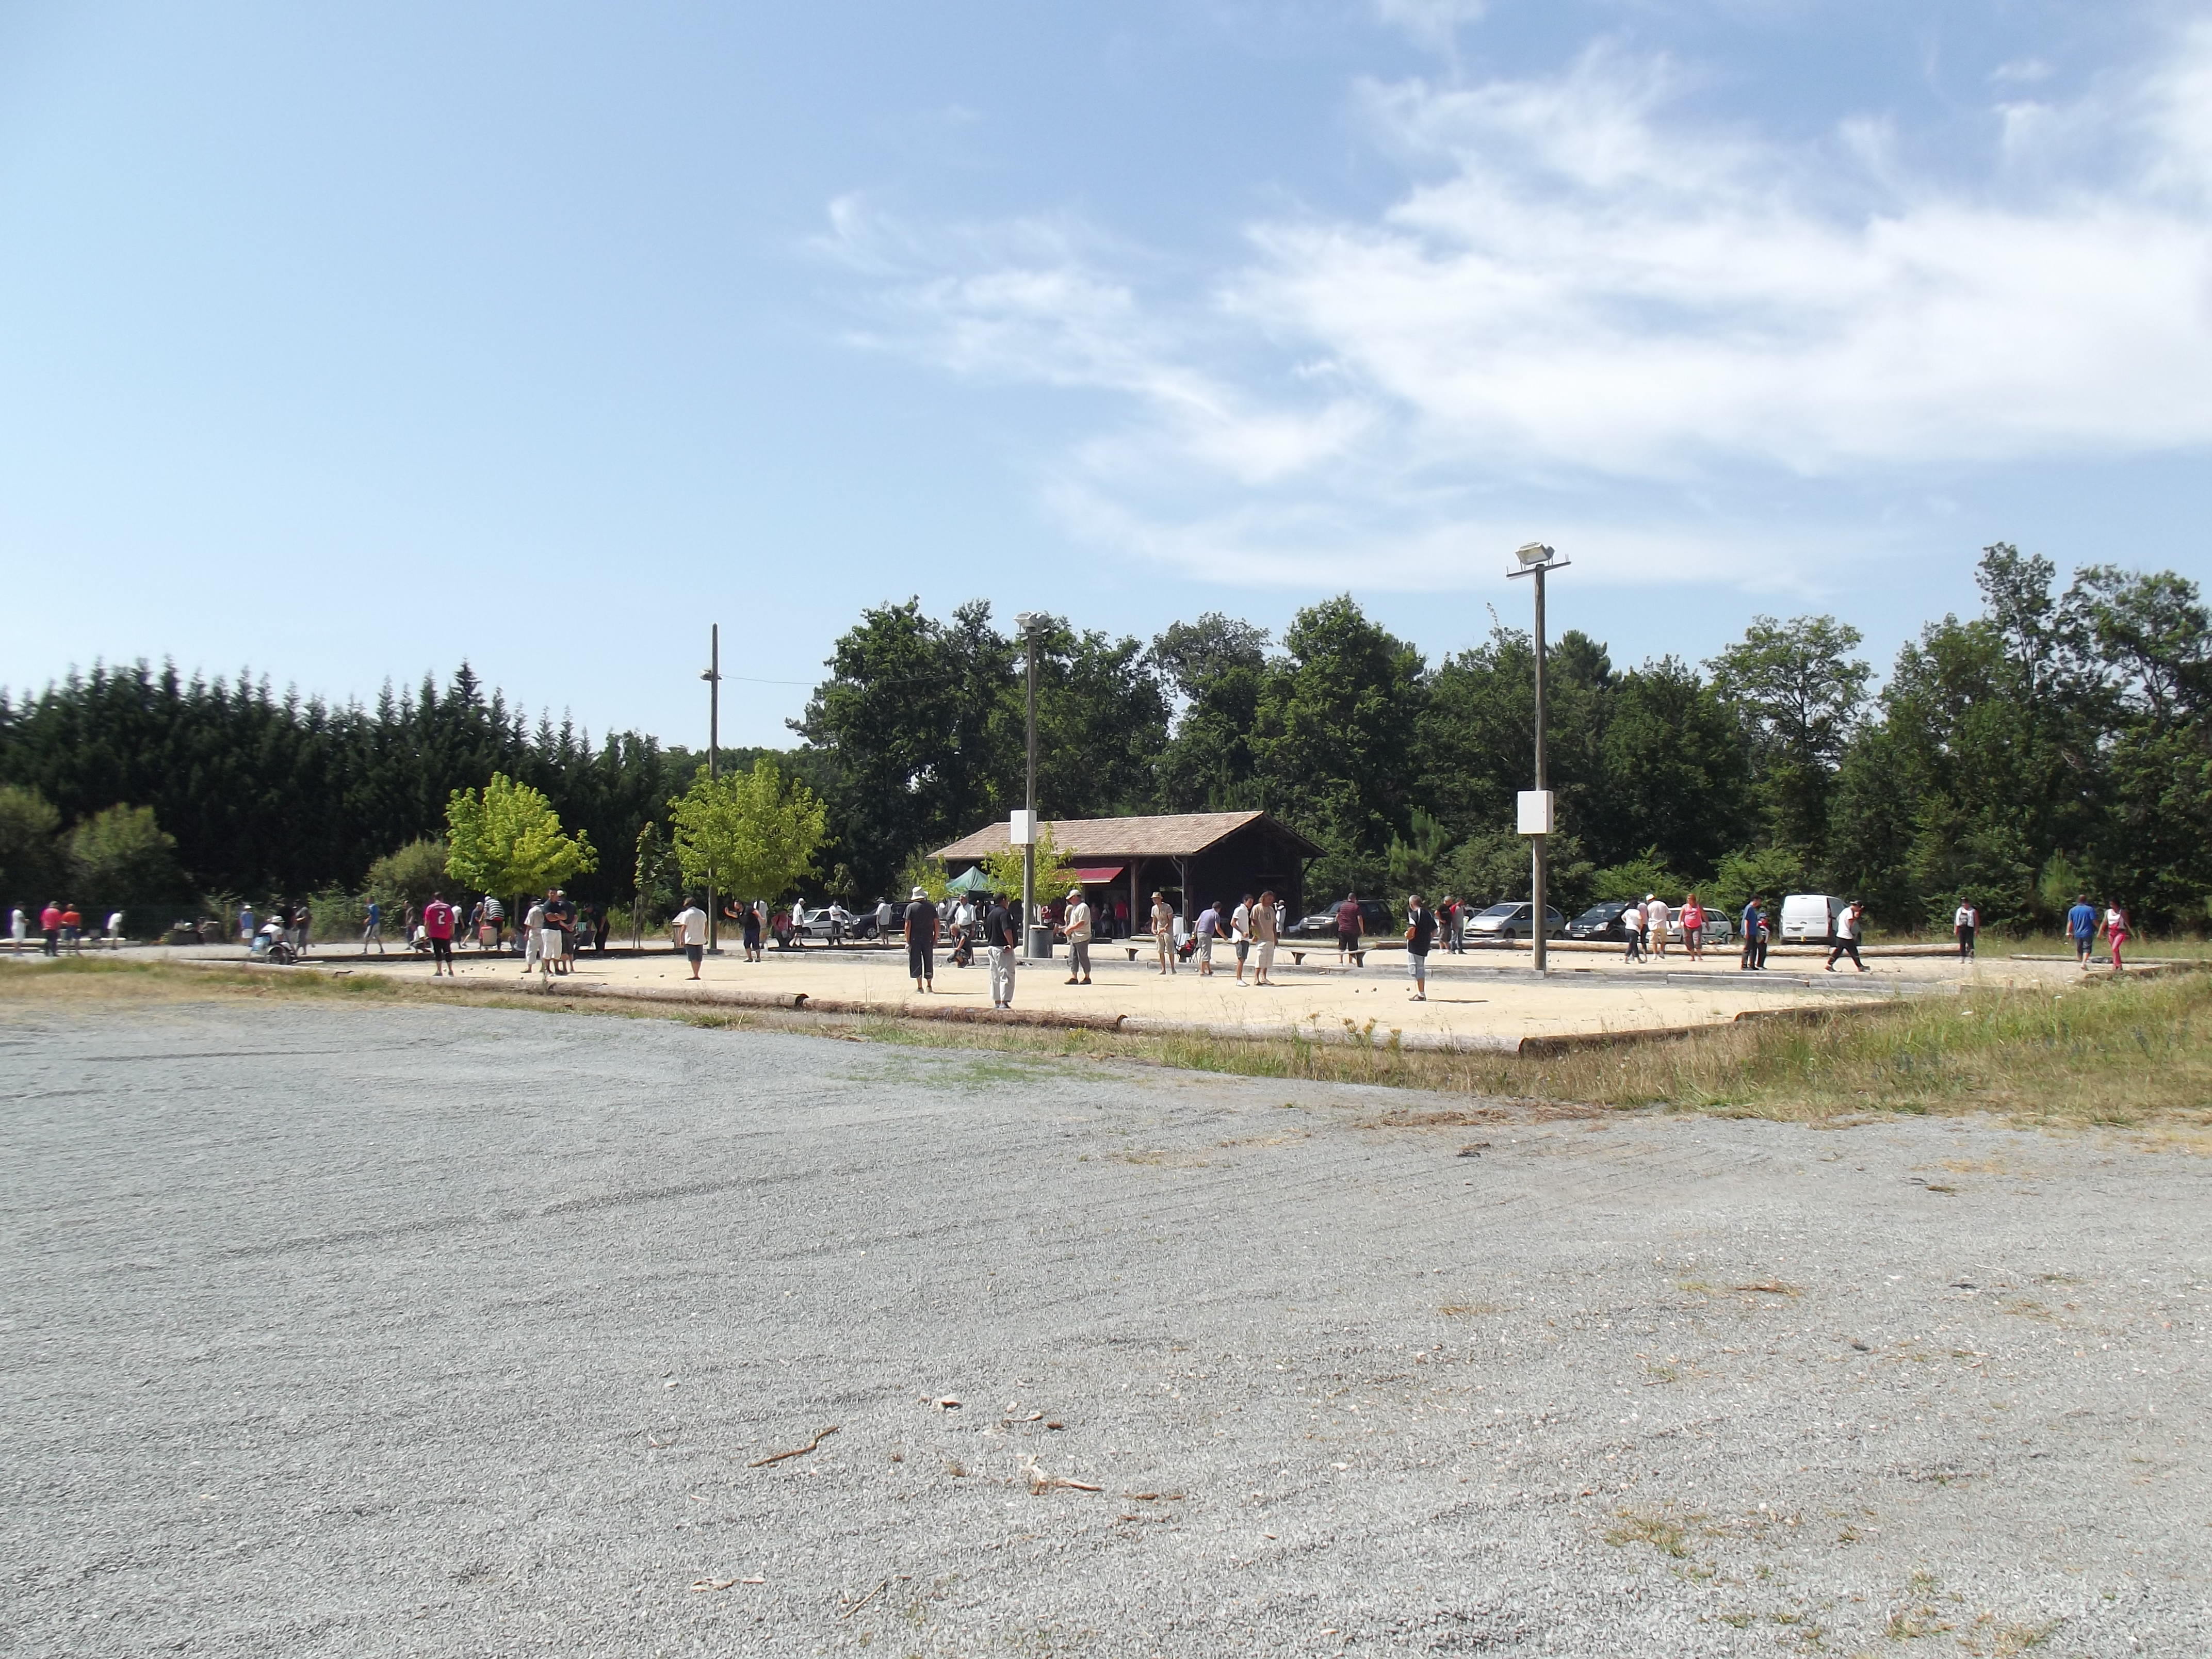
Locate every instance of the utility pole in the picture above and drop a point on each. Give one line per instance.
(1029, 622)
(713, 678)
(1535, 806)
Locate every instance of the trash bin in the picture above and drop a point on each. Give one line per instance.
(1040, 944)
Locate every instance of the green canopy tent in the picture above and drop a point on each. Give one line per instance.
(972, 880)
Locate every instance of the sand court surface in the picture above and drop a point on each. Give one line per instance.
(1482, 1000)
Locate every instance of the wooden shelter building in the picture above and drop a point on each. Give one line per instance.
(1192, 857)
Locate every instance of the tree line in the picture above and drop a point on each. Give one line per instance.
(2058, 742)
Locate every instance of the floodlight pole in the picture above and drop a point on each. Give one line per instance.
(1029, 801)
(1535, 560)
(1537, 860)
(713, 678)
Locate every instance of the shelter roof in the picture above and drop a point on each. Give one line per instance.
(1177, 835)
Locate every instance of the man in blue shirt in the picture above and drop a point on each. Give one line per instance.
(2081, 922)
(372, 931)
(1754, 945)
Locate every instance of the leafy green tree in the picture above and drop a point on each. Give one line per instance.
(1474, 744)
(410, 874)
(121, 856)
(1676, 767)
(1801, 692)
(754, 834)
(914, 716)
(655, 874)
(1632, 879)
(1771, 873)
(1491, 866)
(507, 839)
(1333, 739)
(1102, 724)
(1056, 870)
(30, 854)
(1216, 667)
(1414, 858)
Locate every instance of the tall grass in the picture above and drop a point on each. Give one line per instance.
(2123, 1053)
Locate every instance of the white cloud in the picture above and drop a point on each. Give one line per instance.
(1590, 295)
(1431, 23)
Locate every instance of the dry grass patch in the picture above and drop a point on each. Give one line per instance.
(2127, 1054)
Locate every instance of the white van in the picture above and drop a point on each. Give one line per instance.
(1810, 918)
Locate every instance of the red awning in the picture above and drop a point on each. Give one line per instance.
(1092, 875)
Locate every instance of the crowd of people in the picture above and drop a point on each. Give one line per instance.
(61, 928)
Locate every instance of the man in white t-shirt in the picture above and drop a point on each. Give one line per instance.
(1965, 921)
(1240, 933)
(690, 925)
(1656, 919)
(1631, 929)
(1077, 924)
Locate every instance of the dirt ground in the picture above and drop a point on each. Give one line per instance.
(1481, 998)
(354, 1329)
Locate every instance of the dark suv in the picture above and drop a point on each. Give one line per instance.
(1600, 921)
(1375, 918)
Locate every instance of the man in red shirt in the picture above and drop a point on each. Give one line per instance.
(1348, 924)
(50, 924)
(438, 924)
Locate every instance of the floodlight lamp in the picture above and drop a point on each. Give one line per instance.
(1029, 621)
(1534, 553)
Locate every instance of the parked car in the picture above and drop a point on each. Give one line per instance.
(1374, 918)
(1511, 921)
(1810, 918)
(1718, 928)
(1600, 921)
(807, 924)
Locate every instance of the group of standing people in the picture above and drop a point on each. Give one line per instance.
(61, 927)
(1253, 929)
(1647, 922)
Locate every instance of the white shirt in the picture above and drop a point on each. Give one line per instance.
(1967, 916)
(1078, 922)
(115, 921)
(18, 923)
(1240, 922)
(965, 916)
(1632, 917)
(693, 921)
(1654, 915)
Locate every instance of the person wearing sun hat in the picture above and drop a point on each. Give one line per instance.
(1077, 924)
(921, 941)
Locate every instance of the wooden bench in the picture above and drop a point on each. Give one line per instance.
(1298, 953)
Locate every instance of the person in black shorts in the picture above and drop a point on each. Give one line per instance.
(921, 941)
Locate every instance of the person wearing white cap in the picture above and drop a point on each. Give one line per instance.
(921, 941)
(1078, 938)
(1656, 919)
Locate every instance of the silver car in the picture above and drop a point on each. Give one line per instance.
(1512, 921)
(1717, 929)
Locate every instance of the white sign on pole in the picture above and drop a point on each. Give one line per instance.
(1021, 828)
(1536, 812)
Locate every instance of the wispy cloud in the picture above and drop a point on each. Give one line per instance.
(1590, 295)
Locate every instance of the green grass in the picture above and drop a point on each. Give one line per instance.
(2126, 1053)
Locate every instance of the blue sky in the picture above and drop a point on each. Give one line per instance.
(346, 345)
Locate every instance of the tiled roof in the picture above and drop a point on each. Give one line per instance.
(1179, 834)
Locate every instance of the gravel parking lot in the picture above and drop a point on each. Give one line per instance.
(464, 1331)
